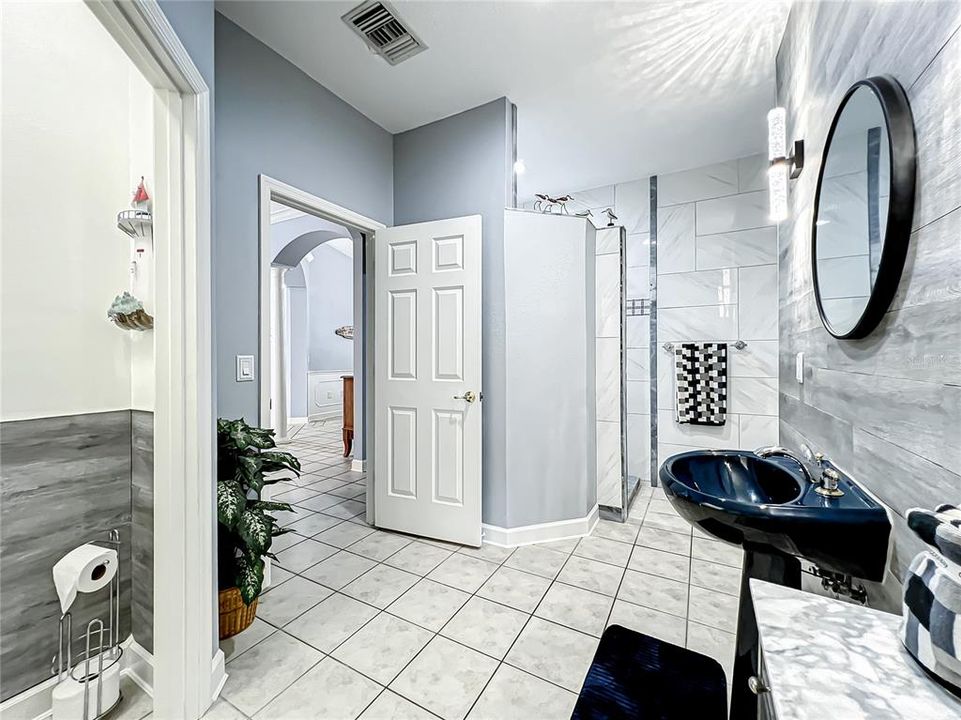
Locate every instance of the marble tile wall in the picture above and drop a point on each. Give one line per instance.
(631, 203)
(717, 281)
(886, 408)
(607, 365)
(63, 481)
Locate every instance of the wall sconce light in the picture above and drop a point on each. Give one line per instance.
(782, 166)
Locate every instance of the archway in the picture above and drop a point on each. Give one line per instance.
(315, 289)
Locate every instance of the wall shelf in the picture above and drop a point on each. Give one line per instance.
(136, 223)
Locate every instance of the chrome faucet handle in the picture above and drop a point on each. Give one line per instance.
(831, 478)
(829, 483)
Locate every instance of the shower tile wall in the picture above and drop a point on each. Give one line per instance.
(64, 481)
(607, 365)
(631, 203)
(717, 281)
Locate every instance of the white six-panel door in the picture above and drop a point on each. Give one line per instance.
(427, 433)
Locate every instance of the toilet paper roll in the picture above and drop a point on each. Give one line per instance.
(67, 697)
(85, 569)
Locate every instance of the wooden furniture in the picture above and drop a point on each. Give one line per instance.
(348, 413)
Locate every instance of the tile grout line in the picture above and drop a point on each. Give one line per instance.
(438, 632)
(530, 616)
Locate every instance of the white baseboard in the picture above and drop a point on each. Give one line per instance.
(138, 664)
(218, 675)
(358, 465)
(36, 703)
(296, 421)
(33, 703)
(544, 532)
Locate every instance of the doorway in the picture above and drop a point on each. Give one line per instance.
(298, 231)
(312, 325)
(425, 361)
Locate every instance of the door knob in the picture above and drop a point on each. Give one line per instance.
(470, 396)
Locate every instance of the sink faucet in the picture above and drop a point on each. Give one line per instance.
(829, 477)
(778, 451)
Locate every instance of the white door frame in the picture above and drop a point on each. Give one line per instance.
(278, 191)
(277, 364)
(188, 667)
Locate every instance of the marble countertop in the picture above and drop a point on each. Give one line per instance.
(830, 659)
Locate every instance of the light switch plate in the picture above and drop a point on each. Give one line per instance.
(799, 368)
(245, 368)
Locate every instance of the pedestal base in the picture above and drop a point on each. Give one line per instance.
(775, 568)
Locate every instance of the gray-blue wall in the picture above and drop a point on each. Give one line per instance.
(462, 165)
(271, 118)
(550, 396)
(193, 21)
(330, 301)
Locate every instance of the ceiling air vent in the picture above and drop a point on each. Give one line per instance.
(383, 31)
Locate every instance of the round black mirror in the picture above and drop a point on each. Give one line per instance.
(863, 207)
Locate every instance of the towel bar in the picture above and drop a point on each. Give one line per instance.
(739, 345)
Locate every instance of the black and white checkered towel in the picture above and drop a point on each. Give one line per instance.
(700, 383)
(931, 628)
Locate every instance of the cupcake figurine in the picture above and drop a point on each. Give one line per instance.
(127, 312)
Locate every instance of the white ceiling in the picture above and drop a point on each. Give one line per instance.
(606, 91)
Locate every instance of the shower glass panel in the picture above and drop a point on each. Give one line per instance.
(616, 485)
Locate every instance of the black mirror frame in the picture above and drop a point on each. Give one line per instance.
(902, 151)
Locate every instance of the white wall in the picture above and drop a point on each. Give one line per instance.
(66, 173)
(325, 394)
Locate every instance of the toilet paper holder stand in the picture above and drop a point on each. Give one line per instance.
(99, 653)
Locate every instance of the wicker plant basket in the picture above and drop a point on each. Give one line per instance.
(235, 617)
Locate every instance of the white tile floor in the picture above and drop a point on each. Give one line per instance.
(367, 624)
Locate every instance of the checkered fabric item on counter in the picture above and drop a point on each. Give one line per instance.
(931, 630)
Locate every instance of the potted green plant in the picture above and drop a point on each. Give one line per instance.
(245, 457)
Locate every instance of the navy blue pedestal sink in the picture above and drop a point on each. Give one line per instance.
(769, 507)
(747, 500)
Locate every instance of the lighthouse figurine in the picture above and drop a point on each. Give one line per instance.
(141, 200)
